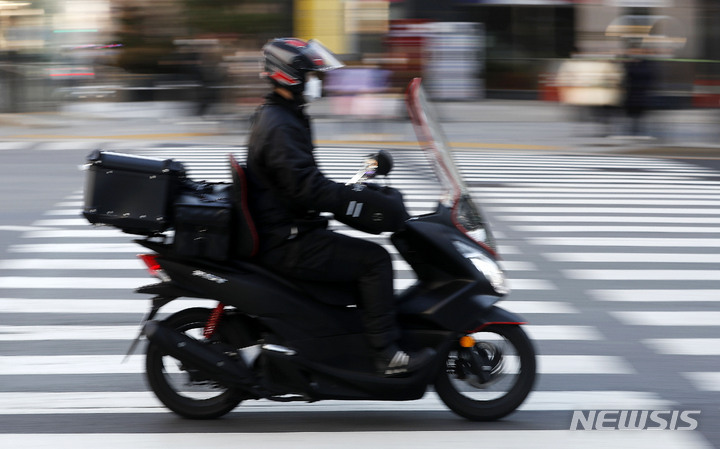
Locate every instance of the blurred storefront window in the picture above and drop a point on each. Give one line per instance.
(515, 39)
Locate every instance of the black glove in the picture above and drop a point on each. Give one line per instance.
(372, 208)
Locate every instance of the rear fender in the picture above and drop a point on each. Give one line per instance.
(168, 289)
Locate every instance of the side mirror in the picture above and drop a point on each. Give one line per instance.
(379, 163)
(384, 162)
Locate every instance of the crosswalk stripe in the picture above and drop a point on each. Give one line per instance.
(68, 282)
(119, 332)
(90, 333)
(615, 228)
(529, 209)
(517, 265)
(107, 248)
(593, 186)
(90, 233)
(71, 264)
(123, 283)
(507, 265)
(113, 364)
(549, 307)
(77, 204)
(62, 212)
(659, 295)
(140, 304)
(593, 194)
(608, 219)
(668, 242)
(615, 257)
(584, 171)
(582, 180)
(665, 318)
(602, 201)
(685, 346)
(563, 332)
(110, 283)
(644, 275)
(583, 364)
(421, 439)
(704, 381)
(18, 228)
(62, 222)
(531, 284)
(145, 402)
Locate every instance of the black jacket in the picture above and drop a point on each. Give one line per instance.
(287, 190)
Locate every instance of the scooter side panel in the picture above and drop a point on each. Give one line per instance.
(456, 305)
(451, 293)
(292, 313)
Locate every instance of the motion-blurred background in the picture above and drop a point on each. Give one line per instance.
(55, 53)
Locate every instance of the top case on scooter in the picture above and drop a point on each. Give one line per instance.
(130, 192)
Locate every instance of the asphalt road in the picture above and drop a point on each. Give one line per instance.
(611, 258)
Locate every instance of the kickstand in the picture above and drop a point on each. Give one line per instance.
(157, 303)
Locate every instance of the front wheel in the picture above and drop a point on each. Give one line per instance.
(184, 390)
(488, 374)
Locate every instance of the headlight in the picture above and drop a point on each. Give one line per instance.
(484, 264)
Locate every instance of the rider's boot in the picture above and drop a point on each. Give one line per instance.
(393, 361)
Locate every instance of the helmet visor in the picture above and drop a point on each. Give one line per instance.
(323, 59)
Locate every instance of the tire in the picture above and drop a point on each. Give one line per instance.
(508, 355)
(183, 390)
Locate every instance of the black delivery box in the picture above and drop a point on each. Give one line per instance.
(130, 192)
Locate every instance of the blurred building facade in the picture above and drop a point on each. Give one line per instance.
(526, 40)
(72, 50)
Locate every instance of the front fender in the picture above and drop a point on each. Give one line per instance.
(494, 315)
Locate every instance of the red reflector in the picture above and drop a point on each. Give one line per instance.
(151, 261)
(499, 323)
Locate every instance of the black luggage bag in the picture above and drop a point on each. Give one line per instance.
(203, 221)
(130, 192)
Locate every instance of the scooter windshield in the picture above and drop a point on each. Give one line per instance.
(456, 196)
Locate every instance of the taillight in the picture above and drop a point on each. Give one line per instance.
(153, 266)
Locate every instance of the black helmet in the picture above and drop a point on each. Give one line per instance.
(287, 60)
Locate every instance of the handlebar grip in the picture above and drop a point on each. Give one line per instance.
(373, 209)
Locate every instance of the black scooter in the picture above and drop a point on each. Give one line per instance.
(270, 338)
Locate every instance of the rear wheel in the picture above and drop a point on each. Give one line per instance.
(185, 390)
(489, 375)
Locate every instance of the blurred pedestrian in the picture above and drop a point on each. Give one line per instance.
(591, 85)
(638, 86)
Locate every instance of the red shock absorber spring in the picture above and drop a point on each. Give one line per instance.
(212, 322)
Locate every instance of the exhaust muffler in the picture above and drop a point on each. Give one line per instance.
(216, 365)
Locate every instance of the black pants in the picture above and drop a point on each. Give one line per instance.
(322, 255)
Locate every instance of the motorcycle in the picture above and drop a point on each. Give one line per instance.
(280, 340)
